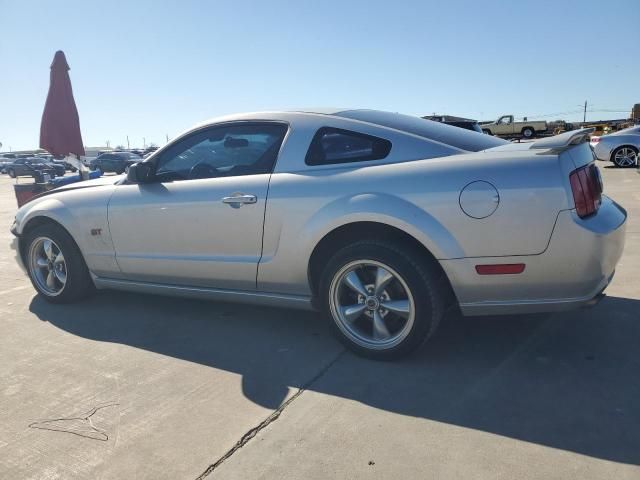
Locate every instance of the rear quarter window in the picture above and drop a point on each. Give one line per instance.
(334, 146)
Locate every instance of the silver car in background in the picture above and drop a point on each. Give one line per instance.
(621, 147)
(380, 220)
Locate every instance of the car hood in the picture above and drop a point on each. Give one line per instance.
(111, 180)
(97, 182)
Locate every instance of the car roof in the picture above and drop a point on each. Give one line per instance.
(435, 131)
(625, 131)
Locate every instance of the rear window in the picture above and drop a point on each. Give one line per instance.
(440, 132)
(333, 145)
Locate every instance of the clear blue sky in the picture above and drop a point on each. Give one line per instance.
(147, 69)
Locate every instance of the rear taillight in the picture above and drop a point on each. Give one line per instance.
(586, 185)
(595, 139)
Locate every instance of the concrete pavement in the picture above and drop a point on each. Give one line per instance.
(132, 386)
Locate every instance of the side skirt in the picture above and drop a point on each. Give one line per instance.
(221, 295)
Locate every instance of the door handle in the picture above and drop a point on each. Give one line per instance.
(236, 200)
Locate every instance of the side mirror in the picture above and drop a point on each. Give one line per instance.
(141, 172)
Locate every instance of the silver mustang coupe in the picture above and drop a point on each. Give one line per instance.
(381, 220)
(621, 147)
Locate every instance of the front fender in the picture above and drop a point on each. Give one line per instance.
(51, 208)
(386, 209)
(82, 213)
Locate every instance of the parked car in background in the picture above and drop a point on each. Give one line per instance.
(114, 162)
(620, 147)
(61, 161)
(506, 126)
(466, 123)
(25, 167)
(148, 151)
(352, 212)
(6, 159)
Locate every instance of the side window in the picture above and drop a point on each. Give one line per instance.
(224, 151)
(334, 145)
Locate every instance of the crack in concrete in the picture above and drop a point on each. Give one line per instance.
(269, 420)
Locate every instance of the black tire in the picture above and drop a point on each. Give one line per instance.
(487, 131)
(617, 164)
(528, 132)
(78, 283)
(12, 173)
(425, 281)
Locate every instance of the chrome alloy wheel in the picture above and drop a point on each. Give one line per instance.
(625, 157)
(47, 266)
(372, 304)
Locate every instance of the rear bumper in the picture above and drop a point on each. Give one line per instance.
(572, 272)
(602, 152)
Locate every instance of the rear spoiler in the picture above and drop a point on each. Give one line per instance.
(561, 142)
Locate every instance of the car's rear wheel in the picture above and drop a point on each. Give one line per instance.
(528, 132)
(625, 156)
(56, 267)
(384, 304)
(486, 131)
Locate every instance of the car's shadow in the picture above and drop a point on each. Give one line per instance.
(568, 381)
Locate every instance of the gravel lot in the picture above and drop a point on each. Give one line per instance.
(129, 386)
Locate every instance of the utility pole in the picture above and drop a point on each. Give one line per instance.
(167, 135)
(144, 142)
(108, 143)
(128, 142)
(584, 118)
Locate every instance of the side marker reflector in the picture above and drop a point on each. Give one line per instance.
(500, 269)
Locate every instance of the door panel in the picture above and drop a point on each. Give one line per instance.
(200, 222)
(183, 233)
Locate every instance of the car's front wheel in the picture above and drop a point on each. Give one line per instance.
(55, 264)
(12, 173)
(383, 301)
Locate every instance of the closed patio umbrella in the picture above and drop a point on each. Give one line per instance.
(60, 128)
